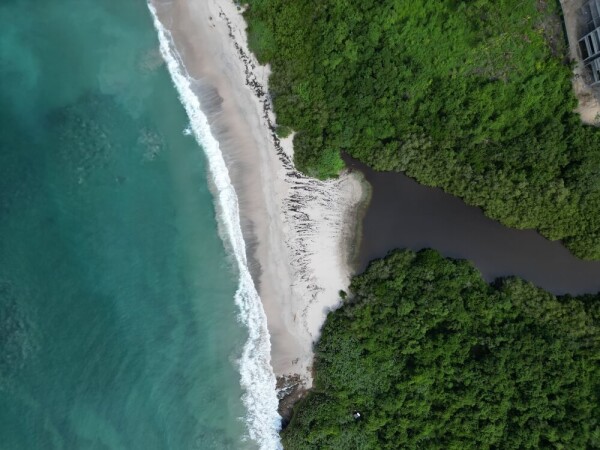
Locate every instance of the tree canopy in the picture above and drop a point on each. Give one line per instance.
(433, 357)
(473, 97)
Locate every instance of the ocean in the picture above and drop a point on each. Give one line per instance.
(128, 318)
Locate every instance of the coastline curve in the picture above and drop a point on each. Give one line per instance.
(257, 376)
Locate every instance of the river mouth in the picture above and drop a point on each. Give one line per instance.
(405, 214)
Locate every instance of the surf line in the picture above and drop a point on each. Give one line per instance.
(256, 373)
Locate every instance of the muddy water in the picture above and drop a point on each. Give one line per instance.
(406, 214)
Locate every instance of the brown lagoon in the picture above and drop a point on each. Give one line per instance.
(406, 214)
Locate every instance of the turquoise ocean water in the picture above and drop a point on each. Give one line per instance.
(118, 327)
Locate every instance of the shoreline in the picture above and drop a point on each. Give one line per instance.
(356, 216)
(256, 375)
(297, 231)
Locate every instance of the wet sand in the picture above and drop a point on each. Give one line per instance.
(405, 214)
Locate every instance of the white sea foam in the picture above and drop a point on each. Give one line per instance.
(257, 378)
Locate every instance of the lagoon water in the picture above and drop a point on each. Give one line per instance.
(118, 327)
(405, 214)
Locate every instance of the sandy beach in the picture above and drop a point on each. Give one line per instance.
(299, 232)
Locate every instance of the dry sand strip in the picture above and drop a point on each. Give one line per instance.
(300, 232)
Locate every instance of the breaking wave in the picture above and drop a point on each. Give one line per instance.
(257, 378)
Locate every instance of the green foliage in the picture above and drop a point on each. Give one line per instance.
(435, 358)
(261, 41)
(283, 132)
(473, 97)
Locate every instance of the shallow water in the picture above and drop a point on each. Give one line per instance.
(406, 214)
(118, 328)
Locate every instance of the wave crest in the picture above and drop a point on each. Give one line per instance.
(257, 377)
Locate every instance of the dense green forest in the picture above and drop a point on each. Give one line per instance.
(473, 97)
(433, 357)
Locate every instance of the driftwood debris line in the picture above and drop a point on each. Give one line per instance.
(303, 191)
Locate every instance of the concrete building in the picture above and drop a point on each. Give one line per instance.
(589, 42)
